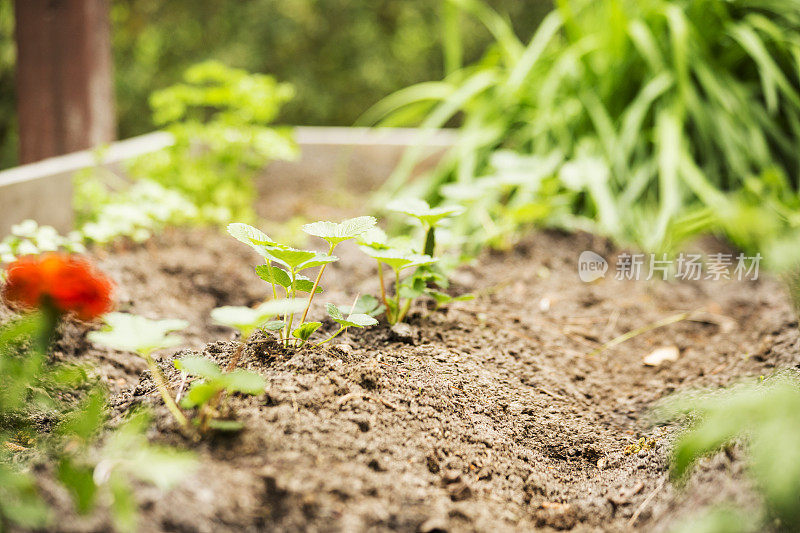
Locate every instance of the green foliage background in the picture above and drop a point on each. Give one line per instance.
(341, 55)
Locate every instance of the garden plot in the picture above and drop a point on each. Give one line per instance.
(491, 414)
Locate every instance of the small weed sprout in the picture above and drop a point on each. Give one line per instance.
(137, 334)
(284, 264)
(205, 393)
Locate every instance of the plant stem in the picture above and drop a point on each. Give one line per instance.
(383, 292)
(314, 288)
(330, 338)
(402, 314)
(161, 385)
(272, 280)
(397, 294)
(237, 355)
(430, 241)
(288, 322)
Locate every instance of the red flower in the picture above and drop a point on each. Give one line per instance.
(69, 283)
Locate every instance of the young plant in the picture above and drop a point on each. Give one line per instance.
(247, 320)
(335, 234)
(205, 393)
(31, 386)
(284, 264)
(352, 320)
(133, 333)
(89, 463)
(428, 216)
(398, 261)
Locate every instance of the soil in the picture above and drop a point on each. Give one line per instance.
(490, 415)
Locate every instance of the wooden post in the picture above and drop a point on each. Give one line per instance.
(64, 76)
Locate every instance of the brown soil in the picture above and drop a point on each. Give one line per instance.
(489, 416)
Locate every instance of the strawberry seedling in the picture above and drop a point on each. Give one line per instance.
(398, 261)
(205, 393)
(284, 264)
(335, 234)
(137, 334)
(428, 216)
(399, 256)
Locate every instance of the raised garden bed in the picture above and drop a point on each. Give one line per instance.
(492, 415)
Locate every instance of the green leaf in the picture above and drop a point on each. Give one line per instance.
(244, 381)
(273, 274)
(246, 319)
(353, 320)
(199, 367)
(335, 233)
(133, 333)
(318, 260)
(274, 325)
(357, 320)
(333, 311)
(290, 257)
(374, 238)
(396, 259)
(305, 285)
(283, 279)
(420, 209)
(306, 330)
(78, 479)
(249, 235)
(200, 393)
(366, 304)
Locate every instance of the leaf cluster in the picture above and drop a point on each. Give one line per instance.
(219, 117)
(40, 419)
(29, 238)
(400, 256)
(282, 270)
(97, 467)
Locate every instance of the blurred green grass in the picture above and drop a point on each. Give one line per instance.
(341, 55)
